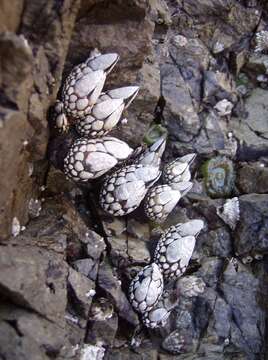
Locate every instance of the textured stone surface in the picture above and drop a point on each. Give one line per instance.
(64, 278)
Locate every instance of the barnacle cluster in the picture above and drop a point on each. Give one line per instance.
(261, 40)
(130, 179)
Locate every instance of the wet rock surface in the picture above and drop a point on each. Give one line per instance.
(65, 266)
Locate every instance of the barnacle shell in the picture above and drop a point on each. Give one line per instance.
(175, 248)
(106, 113)
(146, 288)
(230, 212)
(84, 84)
(178, 170)
(123, 191)
(161, 200)
(190, 286)
(152, 155)
(158, 316)
(91, 158)
(219, 177)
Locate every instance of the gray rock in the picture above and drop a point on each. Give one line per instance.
(252, 131)
(13, 346)
(81, 290)
(26, 270)
(179, 113)
(252, 177)
(102, 332)
(251, 232)
(87, 267)
(109, 282)
(240, 289)
(49, 337)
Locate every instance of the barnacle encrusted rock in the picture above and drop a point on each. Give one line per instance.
(158, 316)
(175, 248)
(106, 113)
(123, 190)
(84, 84)
(146, 288)
(178, 170)
(91, 158)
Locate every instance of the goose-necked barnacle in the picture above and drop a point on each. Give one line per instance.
(219, 177)
(123, 190)
(153, 154)
(175, 248)
(178, 170)
(158, 316)
(106, 113)
(146, 288)
(84, 84)
(91, 158)
(161, 200)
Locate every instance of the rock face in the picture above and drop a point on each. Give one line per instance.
(65, 266)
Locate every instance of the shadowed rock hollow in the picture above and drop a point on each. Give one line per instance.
(65, 266)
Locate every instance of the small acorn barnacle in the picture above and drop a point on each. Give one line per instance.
(91, 158)
(175, 248)
(146, 288)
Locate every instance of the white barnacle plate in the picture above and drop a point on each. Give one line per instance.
(178, 170)
(91, 158)
(146, 288)
(106, 113)
(230, 212)
(123, 191)
(160, 201)
(158, 316)
(175, 248)
(84, 84)
(152, 155)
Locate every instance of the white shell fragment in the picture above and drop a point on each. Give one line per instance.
(123, 191)
(175, 248)
(158, 316)
(84, 84)
(224, 107)
(261, 40)
(160, 201)
(91, 158)
(178, 171)
(106, 113)
(230, 212)
(190, 286)
(146, 288)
